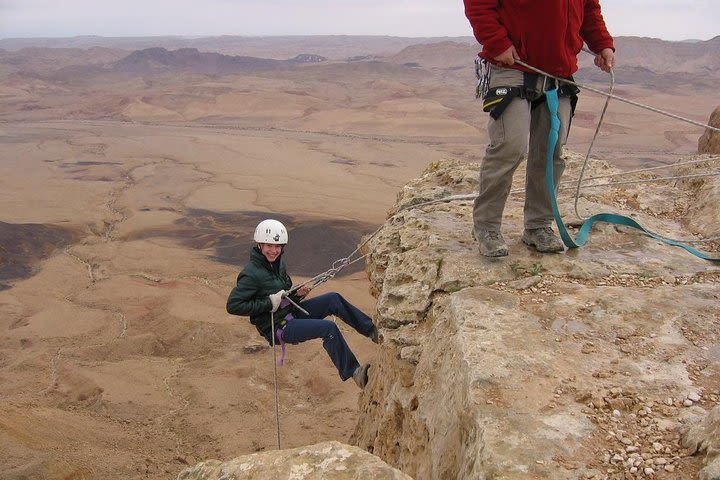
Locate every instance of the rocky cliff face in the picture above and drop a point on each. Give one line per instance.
(599, 363)
(709, 142)
(704, 437)
(577, 365)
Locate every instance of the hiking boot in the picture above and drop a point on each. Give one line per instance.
(374, 335)
(360, 376)
(491, 243)
(543, 239)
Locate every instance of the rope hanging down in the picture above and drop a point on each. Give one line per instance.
(552, 103)
(277, 398)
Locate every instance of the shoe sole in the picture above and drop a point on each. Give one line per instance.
(363, 376)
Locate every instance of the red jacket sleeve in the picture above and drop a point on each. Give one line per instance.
(593, 29)
(484, 17)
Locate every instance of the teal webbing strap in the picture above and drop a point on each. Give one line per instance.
(584, 232)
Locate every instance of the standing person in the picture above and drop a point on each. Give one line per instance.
(261, 292)
(547, 35)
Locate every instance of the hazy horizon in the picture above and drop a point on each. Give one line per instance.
(672, 20)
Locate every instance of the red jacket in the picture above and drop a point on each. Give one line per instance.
(547, 34)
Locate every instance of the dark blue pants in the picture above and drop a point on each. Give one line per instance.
(306, 327)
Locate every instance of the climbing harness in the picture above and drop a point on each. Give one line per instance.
(497, 99)
(283, 323)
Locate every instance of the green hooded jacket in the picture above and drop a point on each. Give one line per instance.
(250, 297)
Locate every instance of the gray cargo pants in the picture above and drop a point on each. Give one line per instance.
(508, 143)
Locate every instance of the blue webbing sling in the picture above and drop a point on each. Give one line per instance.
(584, 232)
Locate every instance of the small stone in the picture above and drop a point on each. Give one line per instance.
(669, 401)
(617, 458)
(649, 471)
(633, 469)
(688, 402)
(631, 449)
(669, 468)
(616, 413)
(694, 396)
(660, 461)
(657, 446)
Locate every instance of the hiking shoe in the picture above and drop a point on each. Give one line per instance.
(360, 376)
(492, 243)
(543, 239)
(374, 335)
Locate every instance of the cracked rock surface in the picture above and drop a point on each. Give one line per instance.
(577, 365)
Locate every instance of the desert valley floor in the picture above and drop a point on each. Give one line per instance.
(127, 206)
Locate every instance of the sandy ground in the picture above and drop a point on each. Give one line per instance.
(117, 358)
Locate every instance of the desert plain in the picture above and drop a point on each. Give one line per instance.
(131, 181)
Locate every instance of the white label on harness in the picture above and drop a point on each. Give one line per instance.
(501, 91)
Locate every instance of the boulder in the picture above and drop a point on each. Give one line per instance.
(703, 437)
(322, 461)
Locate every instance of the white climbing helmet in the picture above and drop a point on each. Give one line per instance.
(271, 231)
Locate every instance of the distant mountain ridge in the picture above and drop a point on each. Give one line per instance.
(275, 47)
(191, 59)
(648, 62)
(659, 57)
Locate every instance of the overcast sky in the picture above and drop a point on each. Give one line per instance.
(666, 19)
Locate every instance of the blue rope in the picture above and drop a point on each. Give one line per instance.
(584, 232)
